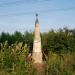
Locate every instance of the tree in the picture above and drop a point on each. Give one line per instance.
(28, 38)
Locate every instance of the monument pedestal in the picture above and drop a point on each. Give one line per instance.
(39, 68)
(37, 57)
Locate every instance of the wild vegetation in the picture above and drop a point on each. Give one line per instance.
(58, 48)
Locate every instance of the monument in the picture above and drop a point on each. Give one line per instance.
(37, 51)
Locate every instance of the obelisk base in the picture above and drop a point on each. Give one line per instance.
(39, 68)
(37, 57)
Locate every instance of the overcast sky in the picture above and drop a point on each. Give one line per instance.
(19, 15)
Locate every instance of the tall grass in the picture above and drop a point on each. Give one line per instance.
(13, 61)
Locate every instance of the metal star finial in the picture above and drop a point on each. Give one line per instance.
(36, 15)
(36, 19)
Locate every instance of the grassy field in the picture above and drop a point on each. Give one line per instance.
(13, 61)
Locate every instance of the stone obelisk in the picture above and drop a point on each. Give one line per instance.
(37, 51)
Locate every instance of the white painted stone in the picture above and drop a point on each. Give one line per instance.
(37, 52)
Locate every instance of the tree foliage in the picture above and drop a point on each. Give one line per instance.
(58, 46)
(59, 41)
